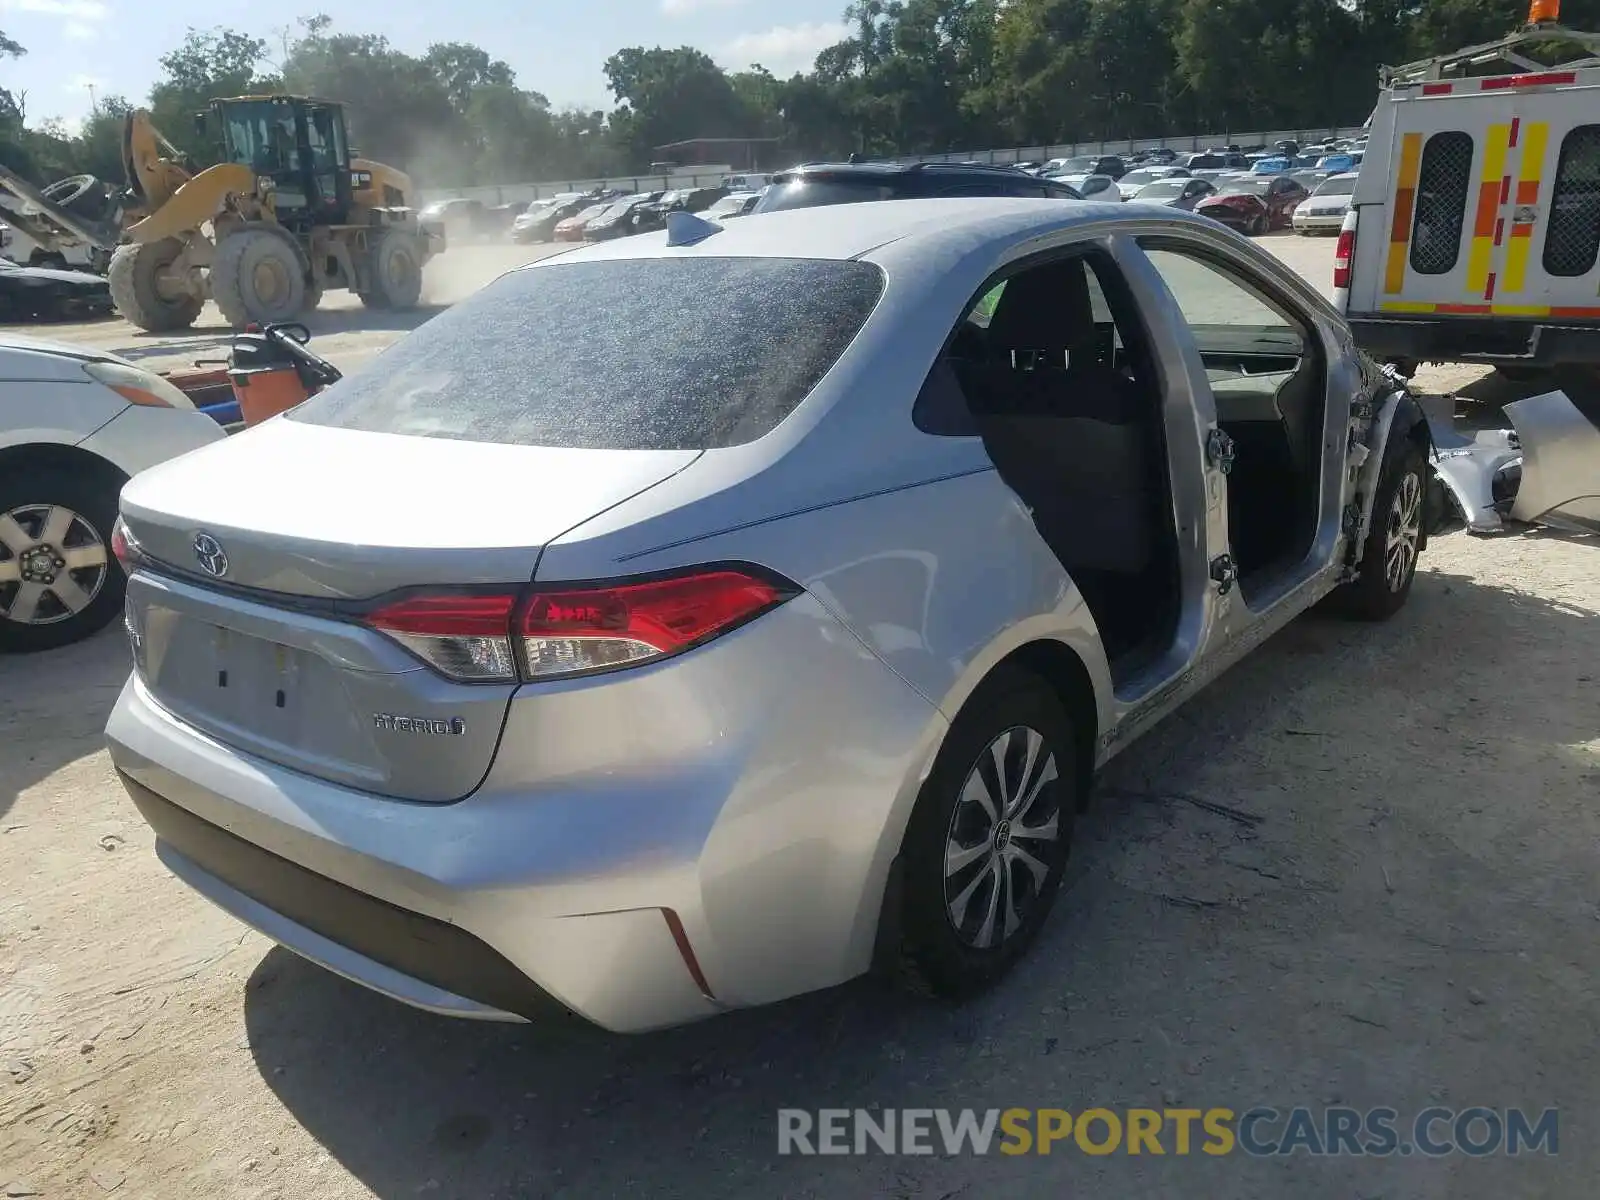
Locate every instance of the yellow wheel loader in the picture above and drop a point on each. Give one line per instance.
(286, 215)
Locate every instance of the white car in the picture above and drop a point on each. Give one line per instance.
(1324, 210)
(1092, 187)
(75, 425)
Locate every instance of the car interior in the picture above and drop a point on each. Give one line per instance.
(1269, 382)
(1066, 401)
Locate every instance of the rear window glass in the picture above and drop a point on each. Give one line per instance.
(630, 354)
(1442, 183)
(1572, 240)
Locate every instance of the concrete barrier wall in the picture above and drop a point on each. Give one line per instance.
(522, 193)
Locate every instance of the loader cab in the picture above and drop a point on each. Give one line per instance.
(296, 144)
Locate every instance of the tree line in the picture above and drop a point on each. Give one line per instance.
(910, 77)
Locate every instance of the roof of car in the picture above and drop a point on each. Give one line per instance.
(869, 169)
(846, 231)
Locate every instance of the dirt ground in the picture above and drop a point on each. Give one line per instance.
(1360, 869)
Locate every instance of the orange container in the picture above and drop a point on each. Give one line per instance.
(265, 392)
(1540, 11)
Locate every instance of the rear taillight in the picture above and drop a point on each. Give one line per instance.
(1343, 254)
(536, 633)
(124, 546)
(463, 635)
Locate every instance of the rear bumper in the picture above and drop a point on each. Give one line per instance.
(1487, 339)
(648, 849)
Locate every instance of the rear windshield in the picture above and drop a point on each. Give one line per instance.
(810, 193)
(628, 354)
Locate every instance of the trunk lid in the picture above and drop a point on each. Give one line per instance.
(269, 656)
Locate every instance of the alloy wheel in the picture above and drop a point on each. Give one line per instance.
(1003, 830)
(1403, 533)
(53, 563)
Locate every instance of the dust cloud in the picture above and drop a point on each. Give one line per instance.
(464, 268)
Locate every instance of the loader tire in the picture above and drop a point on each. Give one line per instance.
(394, 272)
(258, 277)
(143, 296)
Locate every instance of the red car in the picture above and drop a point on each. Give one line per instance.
(572, 229)
(1254, 204)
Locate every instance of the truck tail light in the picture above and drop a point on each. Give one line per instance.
(1344, 253)
(502, 635)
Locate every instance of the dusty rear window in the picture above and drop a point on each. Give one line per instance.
(627, 354)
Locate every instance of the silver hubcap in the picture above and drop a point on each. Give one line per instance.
(52, 564)
(1001, 838)
(1403, 533)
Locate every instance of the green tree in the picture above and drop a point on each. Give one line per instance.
(670, 96)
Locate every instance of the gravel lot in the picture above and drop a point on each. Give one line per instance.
(1360, 870)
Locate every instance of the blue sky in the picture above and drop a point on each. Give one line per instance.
(556, 46)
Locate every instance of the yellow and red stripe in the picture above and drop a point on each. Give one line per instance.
(1530, 176)
(1560, 311)
(1493, 184)
(1405, 203)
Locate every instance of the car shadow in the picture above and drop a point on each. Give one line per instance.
(53, 708)
(412, 1104)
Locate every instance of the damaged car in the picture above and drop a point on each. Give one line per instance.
(818, 563)
(47, 294)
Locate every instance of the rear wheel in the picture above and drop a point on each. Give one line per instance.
(1259, 225)
(258, 277)
(148, 291)
(59, 582)
(394, 271)
(989, 837)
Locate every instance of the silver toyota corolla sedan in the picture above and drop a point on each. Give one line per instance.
(703, 618)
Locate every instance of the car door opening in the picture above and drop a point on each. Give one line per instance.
(1059, 385)
(1268, 378)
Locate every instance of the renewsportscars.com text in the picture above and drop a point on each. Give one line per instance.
(1258, 1132)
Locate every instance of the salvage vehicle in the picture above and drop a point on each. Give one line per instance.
(1474, 235)
(42, 294)
(75, 425)
(1253, 204)
(1325, 209)
(753, 669)
(1181, 193)
(850, 183)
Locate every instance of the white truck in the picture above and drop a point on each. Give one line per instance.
(1474, 232)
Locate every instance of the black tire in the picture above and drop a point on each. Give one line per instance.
(1374, 595)
(1259, 225)
(135, 279)
(935, 956)
(93, 497)
(258, 276)
(81, 195)
(394, 270)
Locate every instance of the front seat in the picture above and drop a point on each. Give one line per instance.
(1066, 431)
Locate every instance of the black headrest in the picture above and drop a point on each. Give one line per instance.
(1047, 309)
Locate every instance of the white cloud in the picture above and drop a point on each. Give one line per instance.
(783, 49)
(77, 10)
(79, 31)
(682, 8)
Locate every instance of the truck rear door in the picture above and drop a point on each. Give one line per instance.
(1491, 204)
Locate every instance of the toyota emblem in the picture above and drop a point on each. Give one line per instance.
(213, 558)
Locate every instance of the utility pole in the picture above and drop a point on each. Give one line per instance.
(94, 104)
